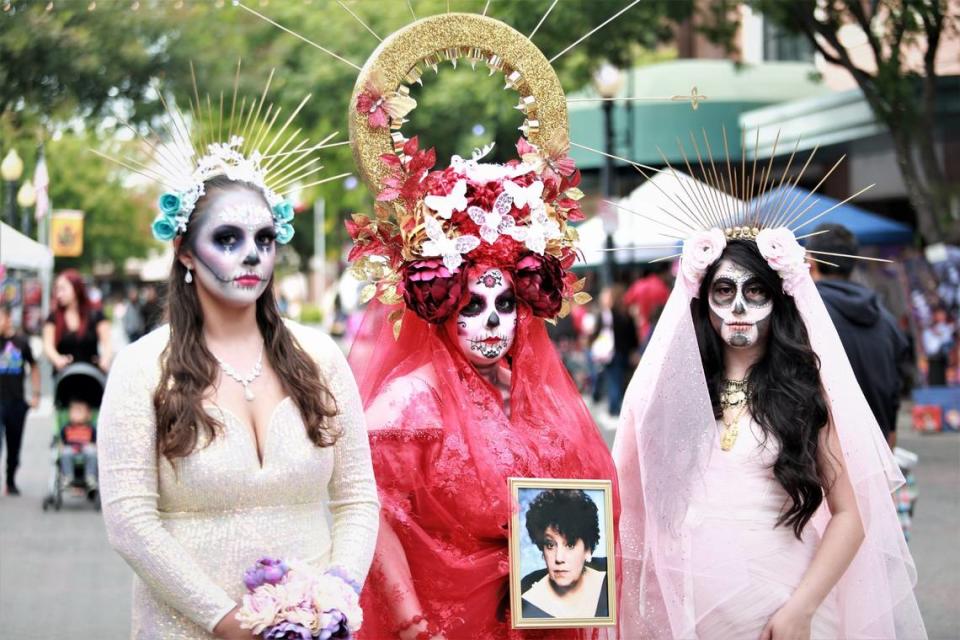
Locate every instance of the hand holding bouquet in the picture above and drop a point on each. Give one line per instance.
(291, 602)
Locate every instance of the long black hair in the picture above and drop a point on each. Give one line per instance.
(786, 397)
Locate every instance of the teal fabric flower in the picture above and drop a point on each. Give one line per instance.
(283, 211)
(284, 233)
(170, 204)
(164, 228)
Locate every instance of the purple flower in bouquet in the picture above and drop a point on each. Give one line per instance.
(266, 571)
(334, 625)
(287, 631)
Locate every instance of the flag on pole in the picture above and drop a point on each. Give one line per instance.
(41, 183)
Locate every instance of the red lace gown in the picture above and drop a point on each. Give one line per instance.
(442, 450)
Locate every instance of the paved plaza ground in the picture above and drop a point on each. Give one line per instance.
(60, 580)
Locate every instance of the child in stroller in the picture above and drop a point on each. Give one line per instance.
(78, 393)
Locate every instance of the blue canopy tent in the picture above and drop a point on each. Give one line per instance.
(868, 228)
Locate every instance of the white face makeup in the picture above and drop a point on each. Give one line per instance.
(234, 247)
(740, 306)
(486, 325)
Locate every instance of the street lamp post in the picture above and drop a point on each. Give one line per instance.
(11, 169)
(607, 81)
(26, 198)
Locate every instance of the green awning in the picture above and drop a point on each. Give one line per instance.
(731, 90)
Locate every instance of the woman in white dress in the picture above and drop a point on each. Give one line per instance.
(230, 434)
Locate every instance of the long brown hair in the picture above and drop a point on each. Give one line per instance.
(73, 277)
(188, 368)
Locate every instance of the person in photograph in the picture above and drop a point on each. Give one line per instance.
(565, 526)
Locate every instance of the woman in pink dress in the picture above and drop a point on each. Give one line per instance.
(756, 481)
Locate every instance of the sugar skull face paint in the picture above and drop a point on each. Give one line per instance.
(740, 305)
(234, 247)
(487, 324)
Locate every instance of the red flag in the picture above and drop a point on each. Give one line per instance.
(41, 183)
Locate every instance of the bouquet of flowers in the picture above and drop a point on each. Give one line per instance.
(291, 602)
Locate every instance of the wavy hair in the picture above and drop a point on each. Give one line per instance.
(786, 398)
(84, 308)
(188, 368)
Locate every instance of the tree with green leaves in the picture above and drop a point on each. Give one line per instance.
(71, 64)
(901, 94)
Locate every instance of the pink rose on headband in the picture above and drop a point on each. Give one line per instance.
(700, 251)
(784, 254)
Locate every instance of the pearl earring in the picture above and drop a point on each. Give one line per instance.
(188, 278)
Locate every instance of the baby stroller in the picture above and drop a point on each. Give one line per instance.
(78, 392)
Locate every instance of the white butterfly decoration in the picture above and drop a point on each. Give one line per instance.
(522, 196)
(456, 200)
(452, 249)
(540, 229)
(496, 222)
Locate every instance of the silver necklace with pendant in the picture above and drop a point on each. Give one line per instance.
(246, 380)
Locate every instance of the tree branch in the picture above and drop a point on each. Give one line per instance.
(855, 7)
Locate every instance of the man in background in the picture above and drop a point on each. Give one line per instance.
(15, 359)
(878, 351)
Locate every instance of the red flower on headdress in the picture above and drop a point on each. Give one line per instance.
(373, 106)
(372, 237)
(431, 290)
(407, 180)
(539, 281)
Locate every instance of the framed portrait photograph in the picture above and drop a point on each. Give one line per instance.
(562, 565)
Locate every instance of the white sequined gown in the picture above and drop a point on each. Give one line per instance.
(189, 530)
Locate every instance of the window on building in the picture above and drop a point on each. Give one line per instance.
(783, 46)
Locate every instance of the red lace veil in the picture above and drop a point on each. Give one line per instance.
(443, 449)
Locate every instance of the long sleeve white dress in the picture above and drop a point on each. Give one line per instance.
(189, 529)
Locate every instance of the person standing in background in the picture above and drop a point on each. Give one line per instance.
(15, 354)
(75, 331)
(151, 309)
(615, 346)
(133, 324)
(878, 351)
(646, 298)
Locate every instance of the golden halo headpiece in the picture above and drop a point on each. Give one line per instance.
(428, 222)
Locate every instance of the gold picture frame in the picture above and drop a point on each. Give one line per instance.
(535, 601)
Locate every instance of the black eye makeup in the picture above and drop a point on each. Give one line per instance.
(506, 302)
(755, 293)
(474, 307)
(724, 290)
(227, 237)
(266, 237)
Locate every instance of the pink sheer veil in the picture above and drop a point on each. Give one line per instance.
(661, 451)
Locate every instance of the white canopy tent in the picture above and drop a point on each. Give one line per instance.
(17, 251)
(647, 224)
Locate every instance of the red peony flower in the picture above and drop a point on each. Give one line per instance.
(539, 281)
(431, 290)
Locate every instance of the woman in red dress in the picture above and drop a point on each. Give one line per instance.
(469, 393)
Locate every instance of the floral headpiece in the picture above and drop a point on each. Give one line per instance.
(222, 159)
(431, 226)
(247, 146)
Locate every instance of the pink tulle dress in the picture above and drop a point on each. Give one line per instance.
(737, 504)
